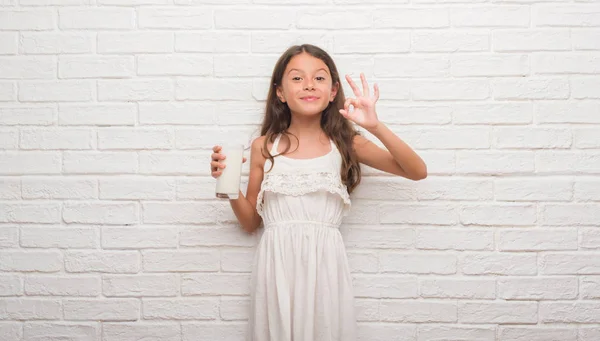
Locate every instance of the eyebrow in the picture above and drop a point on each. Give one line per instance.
(303, 71)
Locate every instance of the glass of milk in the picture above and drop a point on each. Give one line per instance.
(228, 184)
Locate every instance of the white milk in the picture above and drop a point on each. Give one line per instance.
(228, 184)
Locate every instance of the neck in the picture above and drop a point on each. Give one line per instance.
(305, 127)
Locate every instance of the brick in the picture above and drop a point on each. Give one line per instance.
(455, 188)
(213, 42)
(380, 331)
(585, 39)
(139, 238)
(140, 285)
(56, 91)
(490, 16)
(589, 238)
(383, 286)
(363, 262)
(137, 188)
(373, 238)
(102, 262)
(495, 162)
(232, 309)
(213, 89)
(175, 65)
(102, 18)
(571, 15)
(97, 114)
(100, 162)
(532, 189)
(9, 43)
(537, 333)
(454, 239)
(50, 285)
(215, 284)
(178, 113)
(189, 18)
(59, 237)
(503, 264)
(237, 260)
(215, 236)
(56, 43)
(491, 214)
(532, 138)
(102, 309)
(402, 66)
(585, 87)
(25, 67)
(30, 162)
(167, 331)
(244, 65)
(562, 263)
(569, 312)
(413, 114)
(61, 329)
(27, 115)
(411, 18)
(449, 41)
(109, 213)
(568, 112)
(10, 285)
(136, 90)
(559, 63)
(28, 20)
(567, 162)
(135, 42)
(530, 88)
(95, 67)
(417, 263)
(181, 309)
(498, 312)
(8, 92)
(570, 214)
(30, 212)
(538, 288)
(418, 311)
(458, 288)
(10, 188)
(363, 42)
(279, 41)
(9, 139)
(458, 332)
(590, 287)
(26, 309)
(332, 19)
(31, 261)
(434, 214)
(179, 213)
(124, 138)
(243, 19)
(531, 40)
(489, 66)
(181, 261)
(175, 163)
(444, 90)
(51, 139)
(586, 189)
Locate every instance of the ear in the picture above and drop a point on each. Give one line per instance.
(334, 91)
(279, 92)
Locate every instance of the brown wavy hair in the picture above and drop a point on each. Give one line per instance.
(278, 116)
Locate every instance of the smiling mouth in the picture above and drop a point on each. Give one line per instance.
(310, 98)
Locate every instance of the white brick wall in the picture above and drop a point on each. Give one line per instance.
(109, 229)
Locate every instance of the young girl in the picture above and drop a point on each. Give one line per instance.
(302, 170)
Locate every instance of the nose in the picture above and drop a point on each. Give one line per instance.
(308, 85)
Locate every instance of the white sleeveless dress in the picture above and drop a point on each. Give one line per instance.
(301, 281)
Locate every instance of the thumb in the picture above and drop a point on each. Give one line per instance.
(243, 159)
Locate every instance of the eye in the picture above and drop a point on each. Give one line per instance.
(296, 78)
(320, 78)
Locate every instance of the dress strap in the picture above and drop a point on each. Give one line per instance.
(275, 145)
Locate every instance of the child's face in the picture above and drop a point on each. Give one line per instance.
(307, 85)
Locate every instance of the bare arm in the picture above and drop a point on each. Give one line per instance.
(399, 158)
(245, 206)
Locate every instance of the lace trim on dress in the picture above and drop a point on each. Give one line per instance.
(302, 183)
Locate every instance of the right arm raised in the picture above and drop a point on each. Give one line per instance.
(245, 206)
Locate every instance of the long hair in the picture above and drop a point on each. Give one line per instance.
(278, 117)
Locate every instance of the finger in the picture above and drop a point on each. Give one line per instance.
(353, 86)
(344, 113)
(216, 174)
(217, 156)
(347, 103)
(376, 91)
(216, 149)
(243, 160)
(217, 164)
(365, 85)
